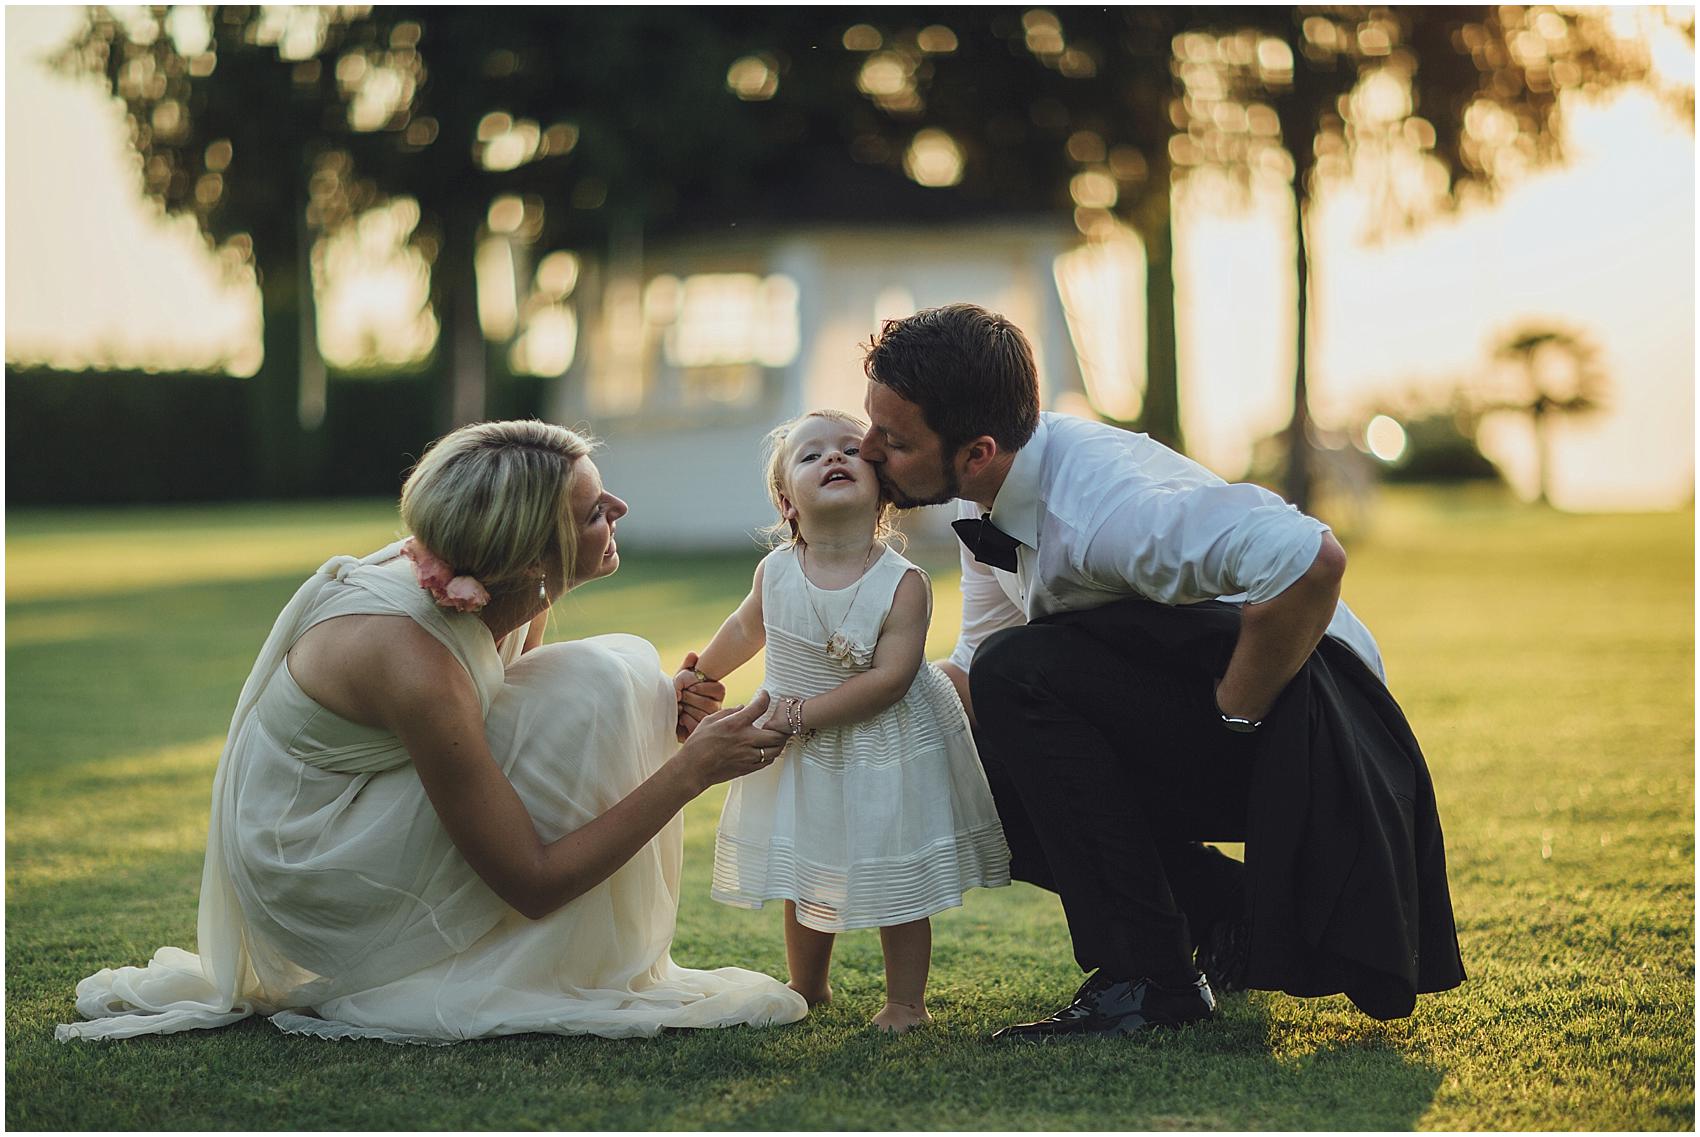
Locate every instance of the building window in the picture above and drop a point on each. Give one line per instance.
(700, 342)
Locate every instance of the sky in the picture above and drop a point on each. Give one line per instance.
(90, 268)
(1604, 246)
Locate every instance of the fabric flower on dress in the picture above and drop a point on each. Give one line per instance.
(846, 652)
(462, 593)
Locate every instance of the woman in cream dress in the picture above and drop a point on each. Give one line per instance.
(427, 827)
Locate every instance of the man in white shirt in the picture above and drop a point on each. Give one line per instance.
(1110, 763)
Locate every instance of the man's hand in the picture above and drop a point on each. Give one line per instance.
(1277, 636)
(697, 698)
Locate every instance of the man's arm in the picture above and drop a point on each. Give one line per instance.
(1278, 635)
(1179, 546)
(986, 608)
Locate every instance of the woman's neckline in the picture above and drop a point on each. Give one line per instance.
(797, 554)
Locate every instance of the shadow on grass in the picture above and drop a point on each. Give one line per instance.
(1265, 1063)
(827, 1073)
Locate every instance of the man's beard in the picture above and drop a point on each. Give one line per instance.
(950, 490)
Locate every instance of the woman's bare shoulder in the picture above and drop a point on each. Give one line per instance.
(362, 667)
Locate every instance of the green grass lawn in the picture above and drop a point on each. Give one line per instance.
(1546, 662)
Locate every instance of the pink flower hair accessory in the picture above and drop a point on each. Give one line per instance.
(462, 593)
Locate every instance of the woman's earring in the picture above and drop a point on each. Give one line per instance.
(543, 588)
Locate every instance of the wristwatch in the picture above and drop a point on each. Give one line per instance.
(1232, 722)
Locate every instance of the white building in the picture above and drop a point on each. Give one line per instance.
(694, 351)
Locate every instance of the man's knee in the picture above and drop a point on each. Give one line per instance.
(1011, 665)
(996, 659)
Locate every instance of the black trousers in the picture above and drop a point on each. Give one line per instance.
(1109, 766)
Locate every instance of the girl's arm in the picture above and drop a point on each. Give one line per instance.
(897, 657)
(739, 638)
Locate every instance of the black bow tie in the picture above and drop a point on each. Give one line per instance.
(989, 544)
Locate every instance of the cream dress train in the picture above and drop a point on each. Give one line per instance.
(333, 901)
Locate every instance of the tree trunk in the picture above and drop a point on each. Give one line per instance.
(312, 398)
(1160, 414)
(1542, 444)
(310, 457)
(1299, 487)
(274, 422)
(459, 208)
(1298, 110)
(462, 348)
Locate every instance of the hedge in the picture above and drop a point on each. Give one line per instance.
(136, 437)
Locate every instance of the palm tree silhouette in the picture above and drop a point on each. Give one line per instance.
(1559, 373)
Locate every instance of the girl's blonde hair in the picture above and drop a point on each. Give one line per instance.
(492, 499)
(784, 531)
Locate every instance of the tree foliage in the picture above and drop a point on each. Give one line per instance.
(1428, 107)
(1055, 112)
(277, 127)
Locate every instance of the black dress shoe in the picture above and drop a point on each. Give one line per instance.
(1114, 1007)
(1225, 954)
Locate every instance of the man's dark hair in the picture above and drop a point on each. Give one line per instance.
(969, 370)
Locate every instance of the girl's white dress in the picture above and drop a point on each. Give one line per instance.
(875, 823)
(333, 900)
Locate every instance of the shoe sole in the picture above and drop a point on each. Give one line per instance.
(1154, 1024)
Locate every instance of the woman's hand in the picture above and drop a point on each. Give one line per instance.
(728, 744)
(697, 697)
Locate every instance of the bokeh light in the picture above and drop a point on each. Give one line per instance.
(498, 293)
(548, 344)
(1102, 287)
(862, 37)
(1385, 438)
(936, 39)
(1093, 189)
(373, 289)
(753, 78)
(507, 144)
(557, 273)
(507, 214)
(933, 159)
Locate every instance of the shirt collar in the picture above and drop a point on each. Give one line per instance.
(1016, 509)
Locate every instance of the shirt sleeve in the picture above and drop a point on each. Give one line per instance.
(986, 608)
(1182, 545)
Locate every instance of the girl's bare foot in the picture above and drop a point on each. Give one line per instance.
(813, 998)
(901, 1018)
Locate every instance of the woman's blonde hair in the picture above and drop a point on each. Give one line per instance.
(492, 499)
(784, 531)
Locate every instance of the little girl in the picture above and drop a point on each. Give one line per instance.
(876, 813)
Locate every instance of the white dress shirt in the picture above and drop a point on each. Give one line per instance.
(1102, 513)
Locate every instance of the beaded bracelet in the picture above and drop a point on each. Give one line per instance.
(794, 716)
